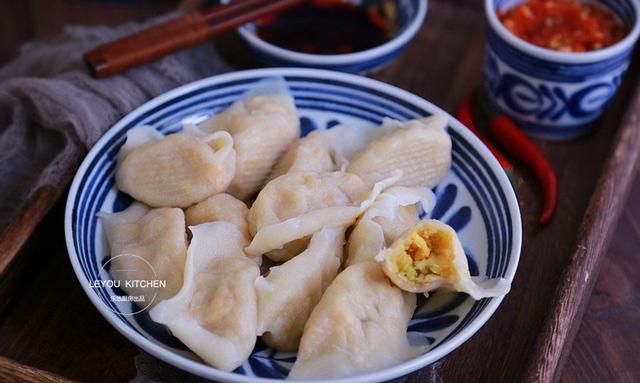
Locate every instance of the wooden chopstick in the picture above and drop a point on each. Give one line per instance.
(183, 32)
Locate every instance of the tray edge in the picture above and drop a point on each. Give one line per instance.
(577, 282)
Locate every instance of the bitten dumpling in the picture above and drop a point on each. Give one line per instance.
(264, 123)
(220, 207)
(139, 237)
(290, 291)
(359, 326)
(177, 170)
(393, 213)
(300, 210)
(294, 194)
(430, 256)
(421, 149)
(214, 314)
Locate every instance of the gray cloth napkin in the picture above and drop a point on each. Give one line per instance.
(52, 111)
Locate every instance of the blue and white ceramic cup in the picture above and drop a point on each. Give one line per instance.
(551, 94)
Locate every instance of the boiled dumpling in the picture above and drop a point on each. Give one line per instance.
(393, 213)
(421, 149)
(264, 123)
(220, 207)
(309, 154)
(294, 194)
(177, 170)
(347, 140)
(290, 291)
(359, 326)
(274, 228)
(342, 142)
(214, 314)
(329, 149)
(147, 245)
(430, 256)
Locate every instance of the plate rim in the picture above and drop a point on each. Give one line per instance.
(210, 372)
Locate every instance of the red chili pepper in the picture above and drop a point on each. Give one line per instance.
(465, 115)
(513, 139)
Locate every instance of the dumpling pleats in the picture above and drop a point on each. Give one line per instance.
(177, 170)
(359, 326)
(263, 124)
(214, 314)
(421, 149)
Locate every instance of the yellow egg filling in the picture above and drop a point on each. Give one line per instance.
(425, 252)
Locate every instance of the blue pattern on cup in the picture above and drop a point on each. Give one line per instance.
(555, 98)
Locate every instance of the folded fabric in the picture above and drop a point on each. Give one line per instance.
(52, 111)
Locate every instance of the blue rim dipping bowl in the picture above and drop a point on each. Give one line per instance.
(411, 16)
(551, 94)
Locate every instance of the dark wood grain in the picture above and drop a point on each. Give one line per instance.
(62, 333)
(12, 32)
(574, 289)
(606, 347)
(12, 372)
(16, 234)
(48, 17)
(51, 325)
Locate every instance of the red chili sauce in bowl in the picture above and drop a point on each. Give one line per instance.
(564, 25)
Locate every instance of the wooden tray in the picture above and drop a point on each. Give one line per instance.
(47, 323)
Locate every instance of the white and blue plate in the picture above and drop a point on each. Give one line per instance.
(475, 198)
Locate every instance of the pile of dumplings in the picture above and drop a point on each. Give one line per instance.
(326, 261)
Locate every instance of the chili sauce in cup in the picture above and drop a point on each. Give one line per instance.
(564, 25)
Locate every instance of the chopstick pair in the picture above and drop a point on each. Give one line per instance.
(180, 33)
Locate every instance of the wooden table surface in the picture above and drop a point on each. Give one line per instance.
(35, 326)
